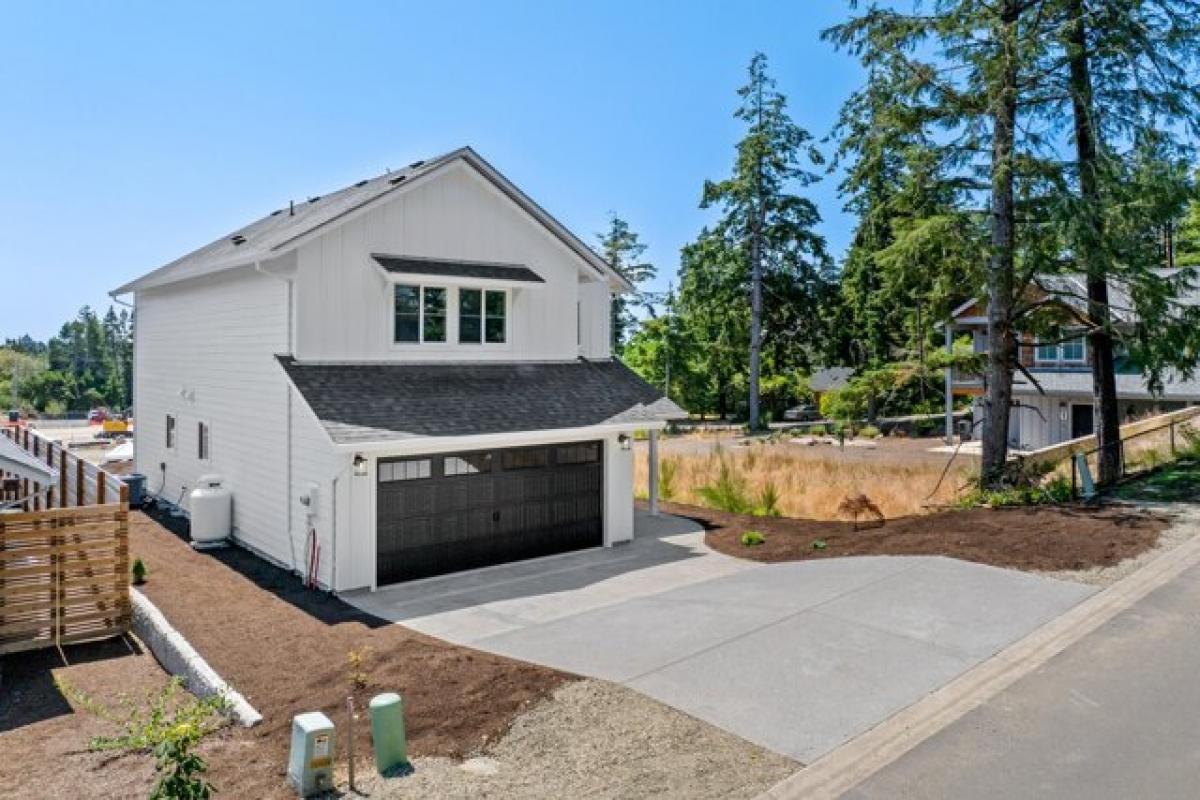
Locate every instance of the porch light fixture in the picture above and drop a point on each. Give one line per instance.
(624, 441)
(360, 466)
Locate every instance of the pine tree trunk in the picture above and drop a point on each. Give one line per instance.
(1001, 262)
(755, 326)
(1091, 250)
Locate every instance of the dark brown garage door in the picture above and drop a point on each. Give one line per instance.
(445, 513)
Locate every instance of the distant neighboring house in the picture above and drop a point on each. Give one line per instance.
(828, 380)
(1063, 409)
(414, 370)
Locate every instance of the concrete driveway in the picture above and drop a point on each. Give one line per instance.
(795, 657)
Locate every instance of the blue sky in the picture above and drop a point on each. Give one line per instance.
(132, 133)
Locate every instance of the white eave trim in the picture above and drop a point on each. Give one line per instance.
(420, 445)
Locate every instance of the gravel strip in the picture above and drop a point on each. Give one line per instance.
(597, 740)
(1184, 526)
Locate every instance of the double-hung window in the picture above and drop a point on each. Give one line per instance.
(1073, 350)
(482, 316)
(1047, 353)
(419, 314)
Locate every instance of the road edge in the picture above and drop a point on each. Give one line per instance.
(843, 768)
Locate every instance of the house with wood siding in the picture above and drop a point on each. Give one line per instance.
(1052, 397)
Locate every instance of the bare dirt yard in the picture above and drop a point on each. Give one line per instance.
(1038, 538)
(539, 732)
(43, 740)
(811, 476)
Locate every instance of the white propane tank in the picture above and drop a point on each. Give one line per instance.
(211, 511)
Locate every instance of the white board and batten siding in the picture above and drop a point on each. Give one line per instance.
(344, 301)
(205, 352)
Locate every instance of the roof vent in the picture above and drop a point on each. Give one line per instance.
(277, 212)
(415, 164)
(237, 239)
(314, 198)
(395, 180)
(360, 183)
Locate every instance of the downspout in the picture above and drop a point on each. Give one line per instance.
(287, 447)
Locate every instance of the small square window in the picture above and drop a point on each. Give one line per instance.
(408, 470)
(577, 454)
(525, 459)
(467, 464)
(1046, 353)
(1073, 350)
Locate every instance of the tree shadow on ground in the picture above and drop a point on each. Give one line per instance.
(28, 692)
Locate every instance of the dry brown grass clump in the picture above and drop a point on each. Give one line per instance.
(810, 484)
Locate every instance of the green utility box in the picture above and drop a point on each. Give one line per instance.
(387, 733)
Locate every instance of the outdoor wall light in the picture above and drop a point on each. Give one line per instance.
(1062, 411)
(624, 441)
(360, 466)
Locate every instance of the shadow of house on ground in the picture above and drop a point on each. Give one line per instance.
(285, 585)
(29, 692)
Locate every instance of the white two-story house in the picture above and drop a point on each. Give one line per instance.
(406, 377)
(1057, 404)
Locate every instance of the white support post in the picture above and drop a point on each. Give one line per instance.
(653, 473)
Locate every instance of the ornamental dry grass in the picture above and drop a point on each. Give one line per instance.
(810, 483)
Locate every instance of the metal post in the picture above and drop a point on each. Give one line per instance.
(350, 741)
(949, 387)
(653, 473)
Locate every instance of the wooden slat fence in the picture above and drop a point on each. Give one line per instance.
(64, 558)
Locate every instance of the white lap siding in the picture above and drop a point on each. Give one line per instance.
(205, 352)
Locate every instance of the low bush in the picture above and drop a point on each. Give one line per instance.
(752, 538)
(869, 432)
(768, 501)
(819, 544)
(728, 492)
(668, 469)
(170, 725)
(138, 571)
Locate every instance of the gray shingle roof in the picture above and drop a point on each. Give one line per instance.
(1129, 387)
(361, 403)
(824, 380)
(460, 269)
(275, 233)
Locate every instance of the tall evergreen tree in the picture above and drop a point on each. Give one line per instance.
(961, 80)
(765, 222)
(623, 249)
(1129, 72)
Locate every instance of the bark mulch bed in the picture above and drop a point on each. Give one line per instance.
(43, 740)
(286, 649)
(1039, 538)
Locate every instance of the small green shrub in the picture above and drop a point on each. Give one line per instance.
(752, 538)
(139, 572)
(170, 725)
(869, 432)
(768, 501)
(819, 544)
(728, 492)
(668, 469)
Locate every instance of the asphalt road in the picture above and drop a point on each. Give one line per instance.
(1117, 715)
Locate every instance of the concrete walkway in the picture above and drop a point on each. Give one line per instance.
(796, 657)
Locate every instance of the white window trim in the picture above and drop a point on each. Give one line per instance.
(421, 287)
(1082, 350)
(171, 432)
(207, 457)
(483, 317)
(452, 319)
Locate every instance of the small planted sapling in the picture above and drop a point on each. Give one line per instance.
(139, 572)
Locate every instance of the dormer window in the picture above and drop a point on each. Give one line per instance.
(420, 314)
(1072, 351)
(482, 316)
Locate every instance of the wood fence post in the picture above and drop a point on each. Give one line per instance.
(80, 486)
(63, 496)
(100, 488)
